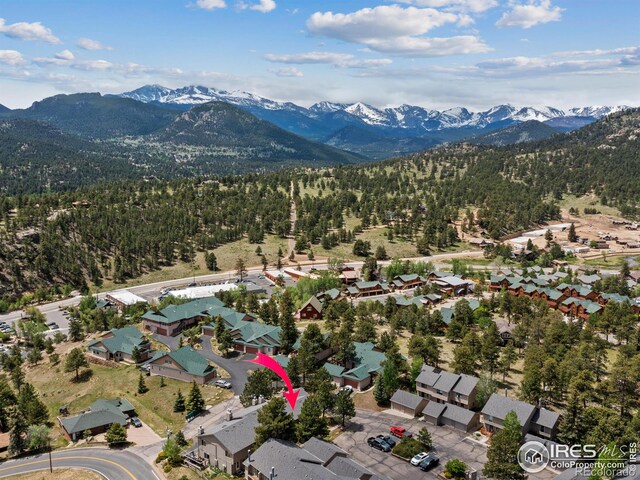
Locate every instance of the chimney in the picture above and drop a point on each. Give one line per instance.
(249, 456)
(254, 401)
(201, 430)
(260, 400)
(229, 415)
(272, 474)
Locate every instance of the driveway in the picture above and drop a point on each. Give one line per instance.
(448, 443)
(236, 366)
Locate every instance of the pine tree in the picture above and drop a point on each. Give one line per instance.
(116, 434)
(572, 236)
(293, 370)
(75, 330)
(136, 356)
(162, 382)
(259, 384)
(195, 402)
(311, 422)
(274, 422)
(17, 434)
(344, 407)
(74, 361)
(502, 455)
(33, 410)
(142, 387)
(288, 332)
(322, 386)
(179, 404)
(424, 438)
(180, 440)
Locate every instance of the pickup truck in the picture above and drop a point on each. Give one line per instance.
(400, 432)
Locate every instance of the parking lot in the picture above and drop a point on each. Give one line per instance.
(447, 444)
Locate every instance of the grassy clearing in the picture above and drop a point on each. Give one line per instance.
(609, 260)
(59, 474)
(588, 201)
(155, 407)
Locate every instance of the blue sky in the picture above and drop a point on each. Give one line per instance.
(434, 53)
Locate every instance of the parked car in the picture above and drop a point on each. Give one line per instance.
(222, 383)
(388, 440)
(415, 461)
(146, 369)
(53, 326)
(400, 432)
(135, 421)
(429, 462)
(347, 388)
(378, 444)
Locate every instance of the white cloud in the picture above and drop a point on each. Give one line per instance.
(65, 55)
(343, 60)
(28, 31)
(287, 72)
(93, 65)
(264, 6)
(475, 6)
(530, 14)
(11, 57)
(88, 44)
(210, 4)
(396, 30)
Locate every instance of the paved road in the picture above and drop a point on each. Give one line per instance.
(111, 464)
(236, 366)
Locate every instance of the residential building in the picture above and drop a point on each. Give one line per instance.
(440, 386)
(314, 460)
(175, 318)
(119, 344)
(311, 310)
(360, 374)
(534, 420)
(97, 419)
(408, 403)
(367, 289)
(184, 364)
(227, 445)
(580, 308)
(406, 282)
(451, 415)
(453, 285)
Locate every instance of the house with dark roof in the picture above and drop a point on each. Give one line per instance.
(184, 364)
(367, 289)
(97, 418)
(440, 386)
(314, 460)
(580, 308)
(119, 344)
(408, 403)
(175, 318)
(311, 310)
(446, 414)
(360, 374)
(226, 445)
(419, 300)
(454, 285)
(534, 420)
(406, 282)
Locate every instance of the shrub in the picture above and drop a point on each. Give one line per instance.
(167, 468)
(455, 468)
(161, 456)
(407, 448)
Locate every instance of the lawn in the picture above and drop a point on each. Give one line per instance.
(227, 255)
(609, 260)
(155, 407)
(588, 201)
(59, 474)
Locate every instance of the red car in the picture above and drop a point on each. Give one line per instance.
(400, 432)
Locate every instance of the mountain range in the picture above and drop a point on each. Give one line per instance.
(326, 121)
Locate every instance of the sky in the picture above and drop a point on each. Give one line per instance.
(433, 53)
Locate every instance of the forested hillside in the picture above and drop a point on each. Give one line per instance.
(123, 229)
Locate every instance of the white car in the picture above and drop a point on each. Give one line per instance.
(348, 389)
(415, 461)
(222, 383)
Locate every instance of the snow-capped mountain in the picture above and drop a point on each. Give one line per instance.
(363, 128)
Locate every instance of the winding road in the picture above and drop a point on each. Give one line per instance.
(111, 464)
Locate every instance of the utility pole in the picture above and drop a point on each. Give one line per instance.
(50, 459)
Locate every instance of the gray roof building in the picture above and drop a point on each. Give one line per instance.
(499, 406)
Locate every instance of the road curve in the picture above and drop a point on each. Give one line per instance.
(111, 464)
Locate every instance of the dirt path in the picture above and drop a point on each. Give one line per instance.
(294, 218)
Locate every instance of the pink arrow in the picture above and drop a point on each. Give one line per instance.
(270, 363)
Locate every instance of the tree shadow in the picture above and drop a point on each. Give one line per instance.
(84, 376)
